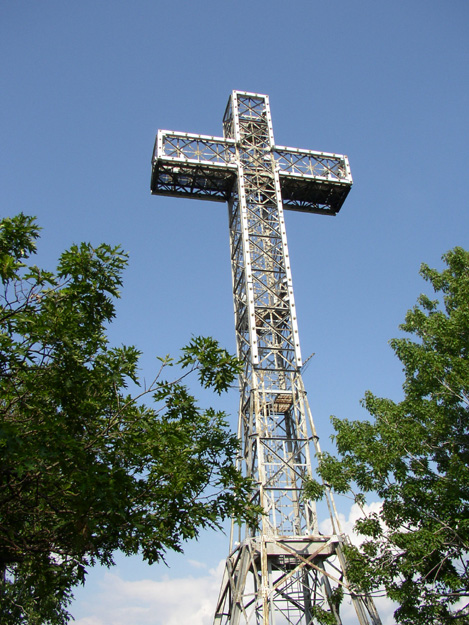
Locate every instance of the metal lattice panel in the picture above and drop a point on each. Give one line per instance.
(285, 572)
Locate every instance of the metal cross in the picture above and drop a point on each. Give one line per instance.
(287, 567)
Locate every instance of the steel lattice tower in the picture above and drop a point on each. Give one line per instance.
(285, 572)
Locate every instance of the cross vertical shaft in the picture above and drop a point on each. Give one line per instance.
(276, 444)
(285, 571)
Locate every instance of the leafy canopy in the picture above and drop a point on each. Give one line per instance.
(86, 468)
(415, 455)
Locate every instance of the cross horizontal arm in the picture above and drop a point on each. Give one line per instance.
(206, 167)
(195, 166)
(313, 182)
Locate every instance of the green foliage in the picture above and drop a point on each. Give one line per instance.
(216, 368)
(313, 490)
(86, 468)
(415, 455)
(323, 617)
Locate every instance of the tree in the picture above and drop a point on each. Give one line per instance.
(86, 468)
(415, 455)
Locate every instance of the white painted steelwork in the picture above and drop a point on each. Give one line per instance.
(285, 572)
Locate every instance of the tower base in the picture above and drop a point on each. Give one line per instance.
(305, 585)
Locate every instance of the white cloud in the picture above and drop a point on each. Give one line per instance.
(196, 564)
(348, 524)
(149, 602)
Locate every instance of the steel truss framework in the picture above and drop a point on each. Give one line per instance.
(286, 572)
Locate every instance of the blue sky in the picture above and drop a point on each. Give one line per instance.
(84, 86)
